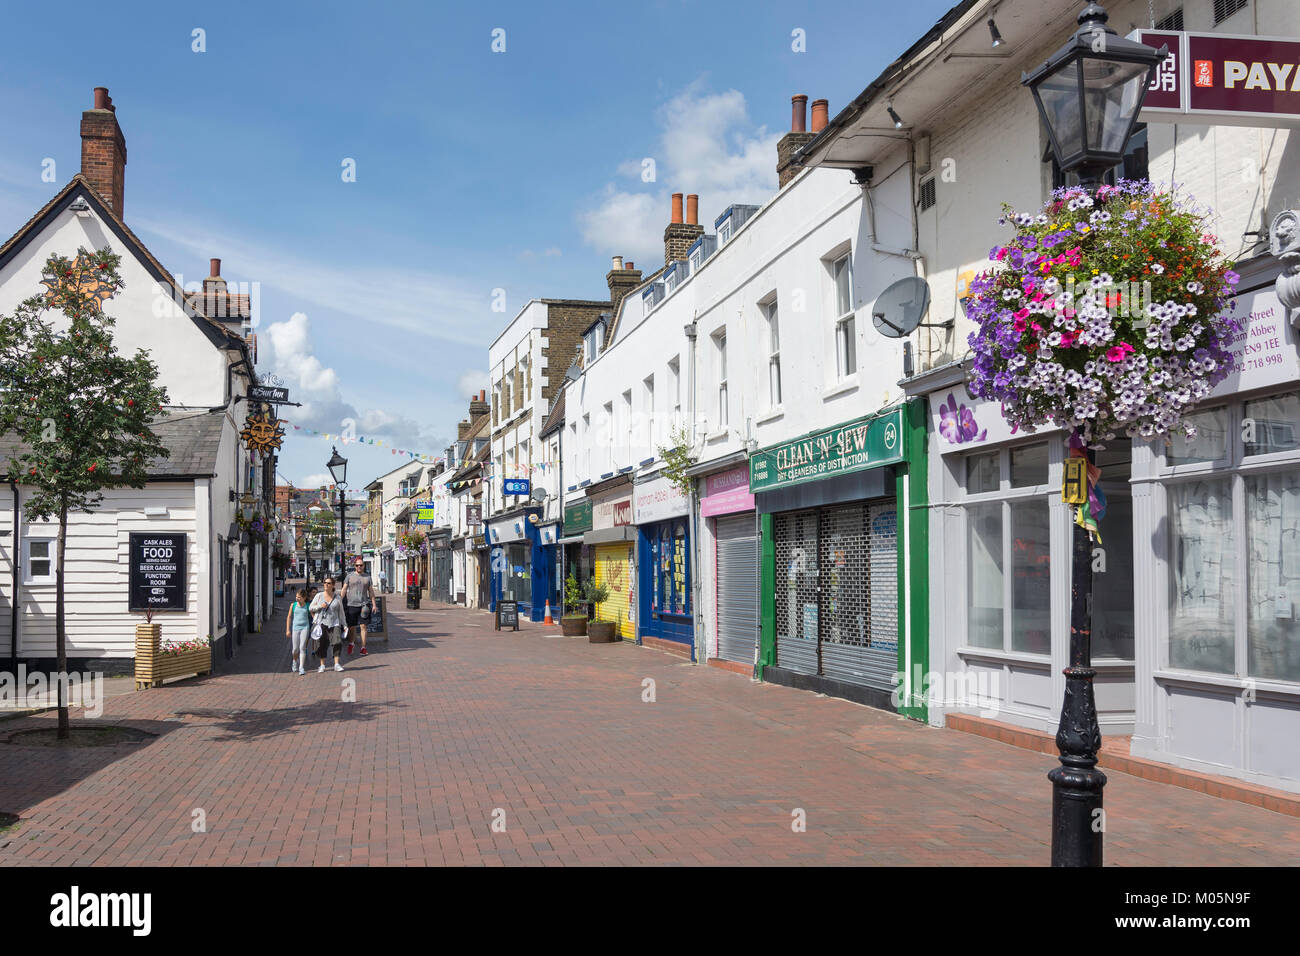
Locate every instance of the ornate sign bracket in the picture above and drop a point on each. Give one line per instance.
(1284, 244)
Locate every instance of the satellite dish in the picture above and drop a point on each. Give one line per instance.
(899, 309)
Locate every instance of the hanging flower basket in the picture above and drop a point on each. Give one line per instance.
(1106, 315)
(156, 662)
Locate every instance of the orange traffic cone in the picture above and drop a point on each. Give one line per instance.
(548, 619)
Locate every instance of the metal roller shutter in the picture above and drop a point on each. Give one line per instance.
(737, 589)
(797, 611)
(859, 594)
(614, 570)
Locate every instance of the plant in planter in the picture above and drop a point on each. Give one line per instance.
(574, 621)
(598, 631)
(156, 661)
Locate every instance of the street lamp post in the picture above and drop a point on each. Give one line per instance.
(1088, 94)
(338, 466)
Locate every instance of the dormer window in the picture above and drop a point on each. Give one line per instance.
(593, 341)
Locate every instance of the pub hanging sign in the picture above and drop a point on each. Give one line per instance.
(157, 576)
(854, 446)
(262, 433)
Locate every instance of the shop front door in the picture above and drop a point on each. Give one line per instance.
(837, 593)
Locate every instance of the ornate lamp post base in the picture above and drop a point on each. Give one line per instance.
(1078, 821)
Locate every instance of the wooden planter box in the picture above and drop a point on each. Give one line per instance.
(573, 626)
(602, 632)
(153, 667)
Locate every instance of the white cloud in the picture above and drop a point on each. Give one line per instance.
(400, 299)
(294, 362)
(315, 481)
(471, 381)
(707, 145)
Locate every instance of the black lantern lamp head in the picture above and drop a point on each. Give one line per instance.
(1089, 94)
(338, 466)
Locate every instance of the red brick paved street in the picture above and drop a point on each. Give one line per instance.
(453, 721)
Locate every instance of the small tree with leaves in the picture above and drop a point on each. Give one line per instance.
(676, 458)
(79, 412)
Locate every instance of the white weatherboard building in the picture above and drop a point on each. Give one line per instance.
(1195, 639)
(205, 363)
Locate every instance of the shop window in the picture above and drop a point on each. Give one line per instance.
(670, 587)
(515, 586)
(1202, 568)
(1008, 550)
(1272, 425)
(1234, 543)
(1029, 465)
(982, 473)
(1112, 558)
(1209, 444)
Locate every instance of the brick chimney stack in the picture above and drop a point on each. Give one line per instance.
(621, 280)
(214, 282)
(478, 405)
(798, 136)
(679, 235)
(103, 150)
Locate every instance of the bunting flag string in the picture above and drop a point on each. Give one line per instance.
(362, 440)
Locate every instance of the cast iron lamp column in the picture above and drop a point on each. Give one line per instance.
(338, 466)
(1088, 94)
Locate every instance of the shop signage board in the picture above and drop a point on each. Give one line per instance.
(1265, 351)
(507, 615)
(157, 577)
(727, 493)
(612, 514)
(473, 515)
(1224, 78)
(375, 625)
(659, 499)
(577, 517)
(854, 446)
(516, 486)
(269, 393)
(425, 513)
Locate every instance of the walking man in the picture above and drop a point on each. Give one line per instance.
(357, 593)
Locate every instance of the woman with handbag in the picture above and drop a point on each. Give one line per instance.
(328, 608)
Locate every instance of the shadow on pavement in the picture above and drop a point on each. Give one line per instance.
(254, 724)
(31, 774)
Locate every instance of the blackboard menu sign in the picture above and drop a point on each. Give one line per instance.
(508, 615)
(375, 625)
(157, 580)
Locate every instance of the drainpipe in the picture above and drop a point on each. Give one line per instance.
(696, 656)
(13, 604)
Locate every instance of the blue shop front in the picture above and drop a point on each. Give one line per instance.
(522, 561)
(661, 513)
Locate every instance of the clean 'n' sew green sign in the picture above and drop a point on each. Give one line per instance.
(854, 446)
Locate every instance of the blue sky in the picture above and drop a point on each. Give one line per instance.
(475, 170)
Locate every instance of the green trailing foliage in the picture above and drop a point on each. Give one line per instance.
(676, 459)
